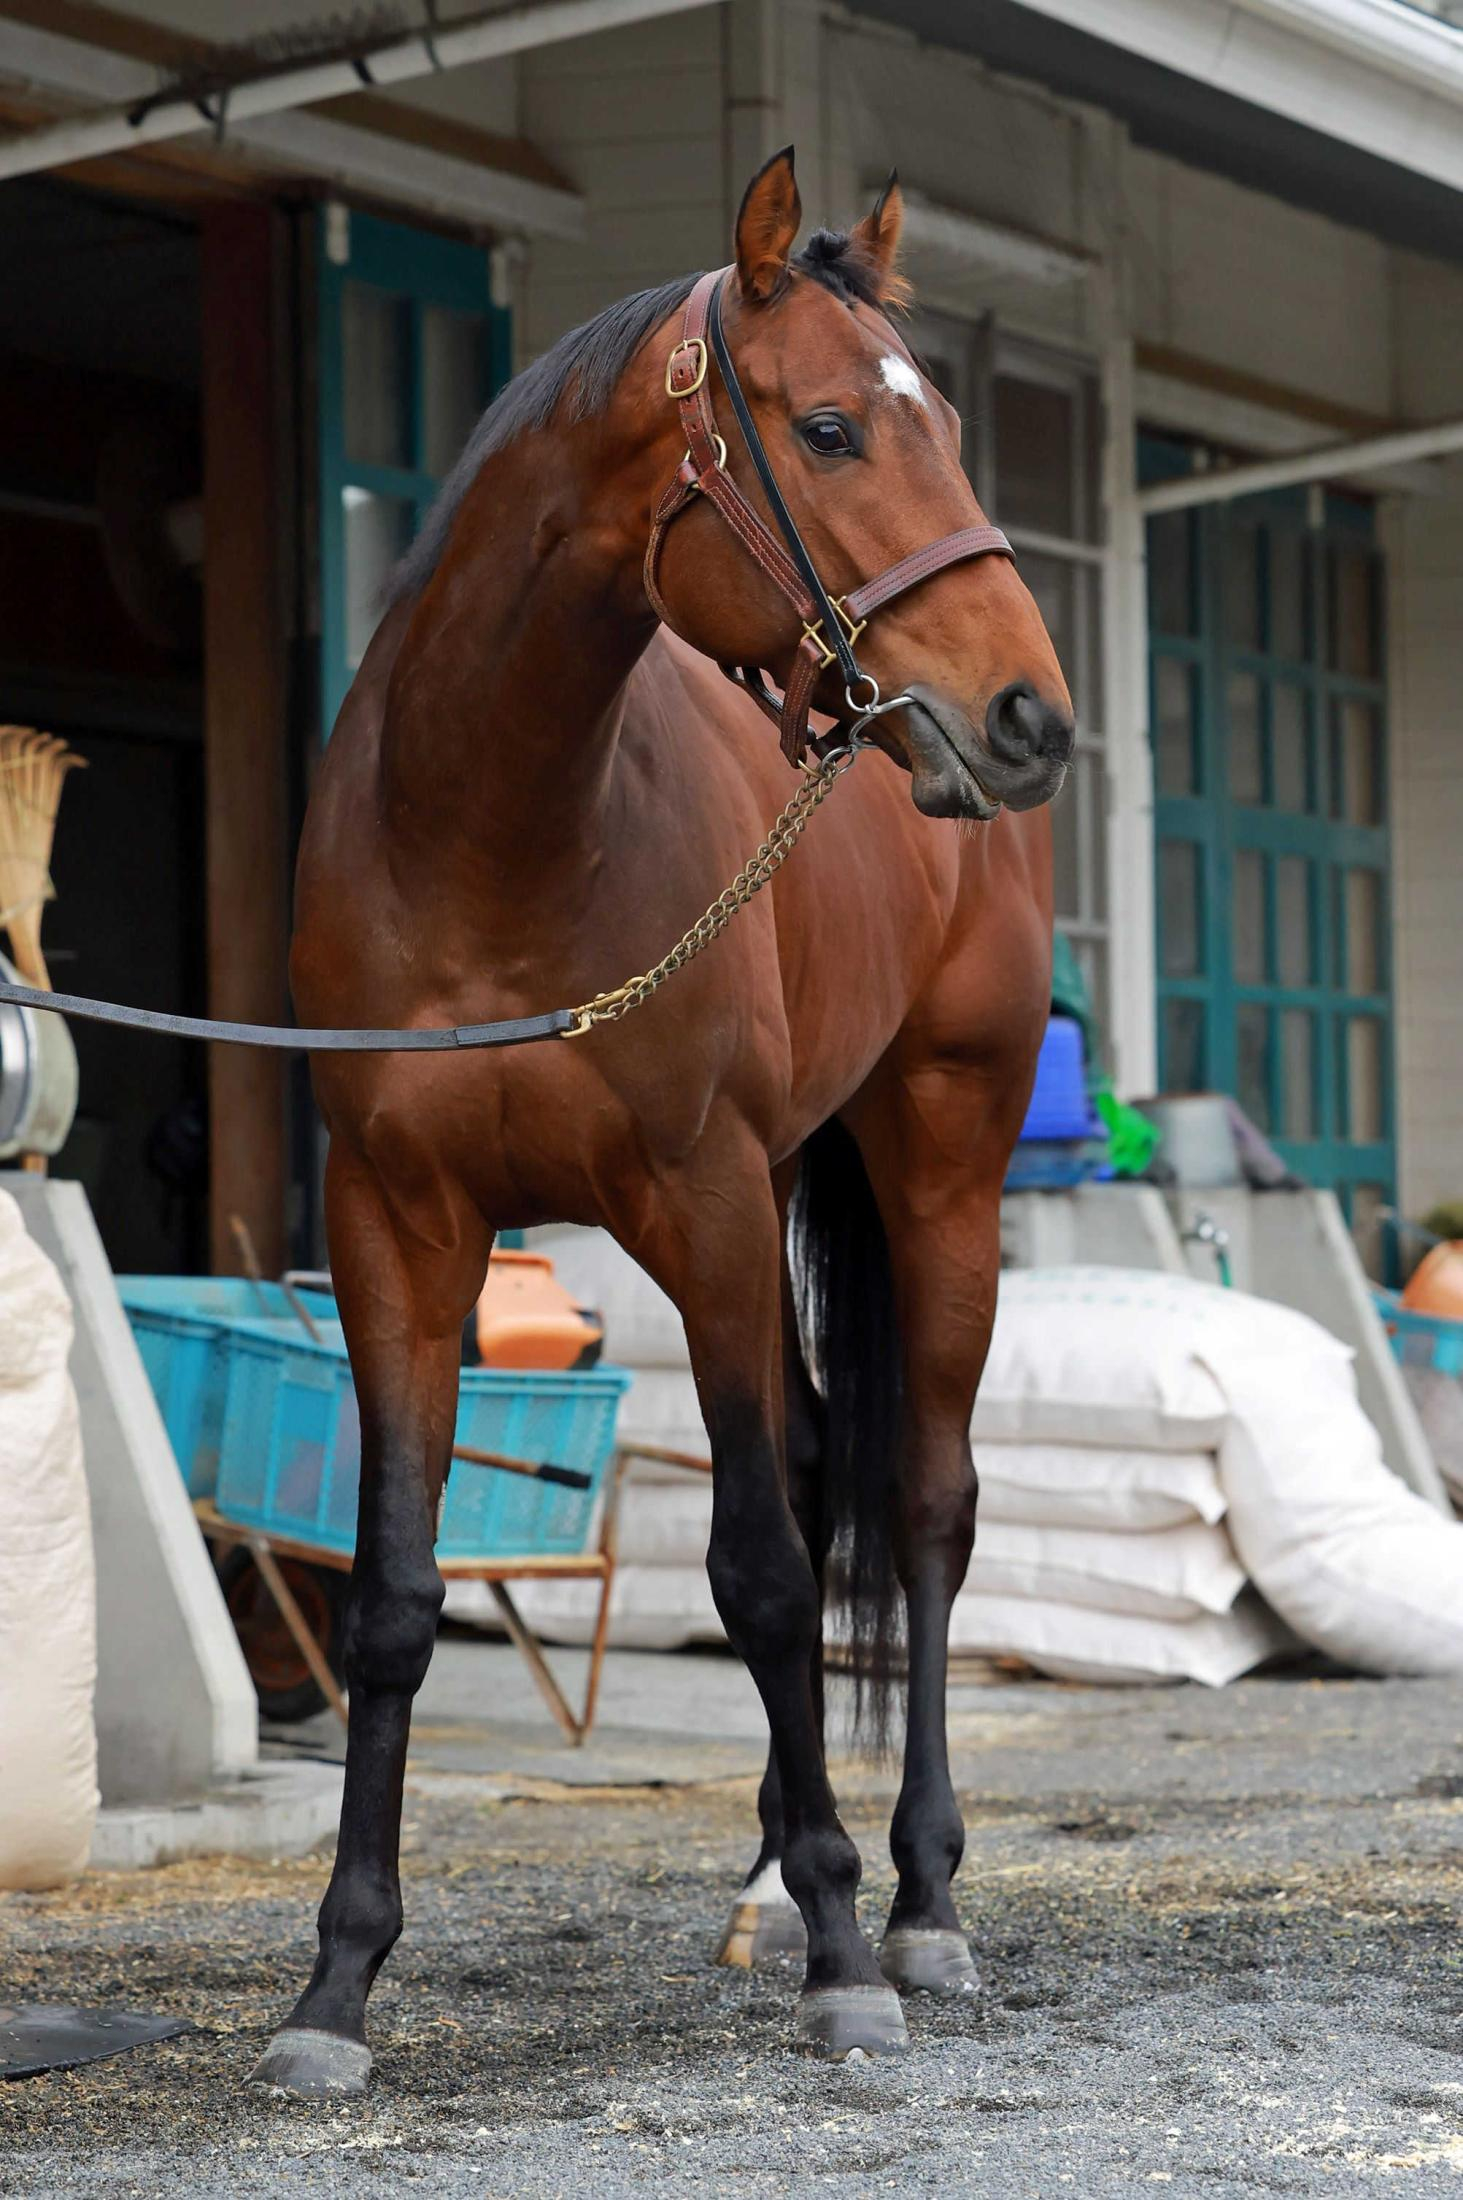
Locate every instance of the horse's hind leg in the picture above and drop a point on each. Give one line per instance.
(403, 1328)
(715, 1246)
(765, 1921)
(936, 1166)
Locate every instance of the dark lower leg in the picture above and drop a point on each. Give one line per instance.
(926, 1835)
(396, 1595)
(765, 1921)
(764, 1588)
(923, 1944)
(404, 1348)
(804, 1423)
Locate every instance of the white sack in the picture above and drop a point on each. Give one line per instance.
(48, 1791)
(1098, 1356)
(665, 1523)
(1071, 1643)
(661, 1407)
(1174, 1574)
(651, 1608)
(665, 1514)
(1090, 1486)
(1347, 1555)
(1360, 1566)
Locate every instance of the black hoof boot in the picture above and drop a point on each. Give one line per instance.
(838, 2021)
(922, 1959)
(310, 2065)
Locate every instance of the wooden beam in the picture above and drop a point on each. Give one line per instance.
(1254, 389)
(245, 723)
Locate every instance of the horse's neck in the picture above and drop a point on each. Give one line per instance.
(509, 687)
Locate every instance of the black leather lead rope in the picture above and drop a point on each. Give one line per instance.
(511, 1031)
(833, 626)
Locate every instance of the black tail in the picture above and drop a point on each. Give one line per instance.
(850, 1334)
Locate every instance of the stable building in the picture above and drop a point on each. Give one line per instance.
(1192, 270)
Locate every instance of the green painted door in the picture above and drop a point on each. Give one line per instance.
(1268, 718)
(411, 348)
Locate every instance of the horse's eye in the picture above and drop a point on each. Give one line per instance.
(828, 437)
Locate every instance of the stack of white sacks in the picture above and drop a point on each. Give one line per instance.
(1177, 1483)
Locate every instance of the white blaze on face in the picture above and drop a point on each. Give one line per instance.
(898, 375)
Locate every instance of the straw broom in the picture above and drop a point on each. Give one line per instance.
(33, 768)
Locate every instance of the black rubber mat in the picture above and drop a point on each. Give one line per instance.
(34, 2037)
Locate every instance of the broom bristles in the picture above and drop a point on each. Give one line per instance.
(33, 768)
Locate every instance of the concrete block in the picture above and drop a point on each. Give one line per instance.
(275, 1810)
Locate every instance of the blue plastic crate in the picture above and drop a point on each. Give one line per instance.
(1421, 1340)
(179, 1324)
(1054, 1165)
(291, 1453)
(1060, 1108)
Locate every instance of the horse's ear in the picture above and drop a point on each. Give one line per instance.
(876, 239)
(766, 227)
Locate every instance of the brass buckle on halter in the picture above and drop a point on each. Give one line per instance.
(719, 453)
(687, 344)
(852, 628)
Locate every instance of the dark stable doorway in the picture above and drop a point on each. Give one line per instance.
(101, 643)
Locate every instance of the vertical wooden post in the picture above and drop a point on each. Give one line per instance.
(245, 724)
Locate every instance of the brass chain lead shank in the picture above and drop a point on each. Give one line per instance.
(787, 829)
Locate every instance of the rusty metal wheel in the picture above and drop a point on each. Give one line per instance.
(282, 1681)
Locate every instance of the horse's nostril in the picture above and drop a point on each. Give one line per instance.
(1023, 729)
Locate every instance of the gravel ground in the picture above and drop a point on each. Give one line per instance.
(1220, 1937)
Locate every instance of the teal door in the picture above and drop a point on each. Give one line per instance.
(1268, 718)
(411, 349)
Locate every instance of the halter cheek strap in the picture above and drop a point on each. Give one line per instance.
(831, 625)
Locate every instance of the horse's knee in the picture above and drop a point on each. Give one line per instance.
(757, 1563)
(939, 1514)
(763, 1588)
(392, 1625)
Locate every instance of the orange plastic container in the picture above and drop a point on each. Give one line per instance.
(1436, 1284)
(526, 1318)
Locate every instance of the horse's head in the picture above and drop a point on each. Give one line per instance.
(867, 454)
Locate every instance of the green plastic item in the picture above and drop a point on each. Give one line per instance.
(1132, 1140)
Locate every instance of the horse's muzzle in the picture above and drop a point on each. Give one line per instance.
(1020, 763)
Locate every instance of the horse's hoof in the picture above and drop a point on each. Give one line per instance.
(838, 2021)
(757, 1930)
(922, 1959)
(309, 2064)
(765, 1921)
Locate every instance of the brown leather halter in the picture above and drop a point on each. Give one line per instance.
(831, 625)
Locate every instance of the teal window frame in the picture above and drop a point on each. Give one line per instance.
(1225, 830)
(420, 270)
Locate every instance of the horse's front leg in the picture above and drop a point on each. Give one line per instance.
(403, 1325)
(943, 1231)
(717, 1251)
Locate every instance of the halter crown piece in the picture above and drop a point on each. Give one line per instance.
(831, 624)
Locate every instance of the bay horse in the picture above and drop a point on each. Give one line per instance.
(534, 783)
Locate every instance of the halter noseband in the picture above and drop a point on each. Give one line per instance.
(831, 625)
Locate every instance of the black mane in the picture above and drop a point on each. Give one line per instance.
(581, 371)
